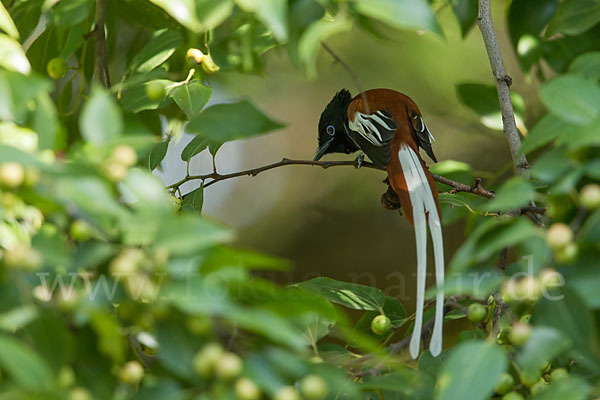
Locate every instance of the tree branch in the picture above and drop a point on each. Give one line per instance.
(503, 82)
(215, 177)
(100, 56)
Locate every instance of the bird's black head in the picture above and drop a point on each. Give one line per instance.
(332, 137)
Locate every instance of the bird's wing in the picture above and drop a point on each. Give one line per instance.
(424, 138)
(373, 133)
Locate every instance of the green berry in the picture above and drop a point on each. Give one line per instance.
(589, 196)
(80, 230)
(286, 393)
(538, 386)
(245, 389)
(559, 235)
(57, 68)
(132, 372)
(12, 175)
(155, 91)
(519, 333)
(313, 387)
(530, 377)
(567, 254)
(476, 313)
(513, 396)
(558, 374)
(124, 155)
(228, 366)
(79, 393)
(380, 325)
(504, 384)
(205, 360)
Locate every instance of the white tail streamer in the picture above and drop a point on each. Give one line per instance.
(423, 202)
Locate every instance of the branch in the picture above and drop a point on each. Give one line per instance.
(503, 82)
(100, 56)
(354, 77)
(215, 177)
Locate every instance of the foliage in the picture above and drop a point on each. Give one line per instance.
(112, 286)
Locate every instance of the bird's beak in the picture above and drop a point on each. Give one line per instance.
(322, 149)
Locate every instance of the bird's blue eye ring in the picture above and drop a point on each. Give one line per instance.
(330, 130)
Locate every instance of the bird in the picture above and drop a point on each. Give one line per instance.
(388, 127)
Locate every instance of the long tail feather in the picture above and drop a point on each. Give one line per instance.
(423, 202)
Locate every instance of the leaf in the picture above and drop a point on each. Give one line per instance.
(156, 51)
(574, 17)
(191, 97)
(45, 121)
(547, 129)
(7, 24)
(572, 388)
(177, 348)
(188, 234)
(74, 41)
(23, 365)
(184, 11)
(224, 122)
(211, 13)
(157, 154)
(466, 14)
(404, 381)
(272, 13)
(193, 201)
(572, 98)
(477, 283)
(350, 295)
(110, 341)
(512, 194)
(471, 371)
(587, 65)
(101, 120)
(310, 41)
(17, 318)
(542, 346)
(407, 14)
(12, 56)
(147, 14)
(136, 99)
(483, 100)
(195, 146)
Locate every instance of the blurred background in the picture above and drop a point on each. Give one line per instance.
(330, 222)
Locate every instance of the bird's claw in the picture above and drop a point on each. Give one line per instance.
(358, 161)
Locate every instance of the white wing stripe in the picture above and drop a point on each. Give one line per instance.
(365, 125)
(422, 201)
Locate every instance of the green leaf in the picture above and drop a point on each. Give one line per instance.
(471, 371)
(512, 194)
(68, 13)
(136, 99)
(23, 365)
(145, 13)
(466, 14)
(272, 13)
(572, 388)
(110, 341)
(310, 41)
(157, 154)
(193, 201)
(587, 65)
(408, 383)
(177, 348)
(101, 120)
(477, 283)
(74, 41)
(189, 234)
(184, 11)
(195, 146)
(574, 17)
(211, 13)
(483, 99)
(17, 317)
(224, 122)
(12, 56)
(191, 97)
(547, 129)
(572, 98)
(45, 121)
(157, 51)
(407, 14)
(7, 24)
(542, 346)
(350, 295)
(146, 193)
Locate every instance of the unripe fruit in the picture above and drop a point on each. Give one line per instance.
(589, 196)
(175, 202)
(115, 171)
(286, 393)
(313, 387)
(558, 374)
(57, 68)
(79, 393)
(513, 396)
(208, 65)
(550, 278)
(132, 372)
(245, 389)
(124, 154)
(42, 293)
(12, 175)
(127, 262)
(528, 288)
(24, 257)
(519, 333)
(476, 313)
(566, 254)
(204, 361)
(80, 230)
(155, 90)
(504, 384)
(381, 324)
(559, 235)
(509, 291)
(195, 55)
(66, 377)
(199, 325)
(530, 377)
(228, 366)
(316, 360)
(538, 386)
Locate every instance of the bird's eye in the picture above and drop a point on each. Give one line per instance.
(330, 130)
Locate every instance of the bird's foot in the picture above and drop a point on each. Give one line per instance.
(390, 200)
(358, 161)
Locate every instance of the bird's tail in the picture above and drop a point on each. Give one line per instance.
(421, 188)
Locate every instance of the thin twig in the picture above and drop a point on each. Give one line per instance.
(101, 58)
(502, 259)
(351, 73)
